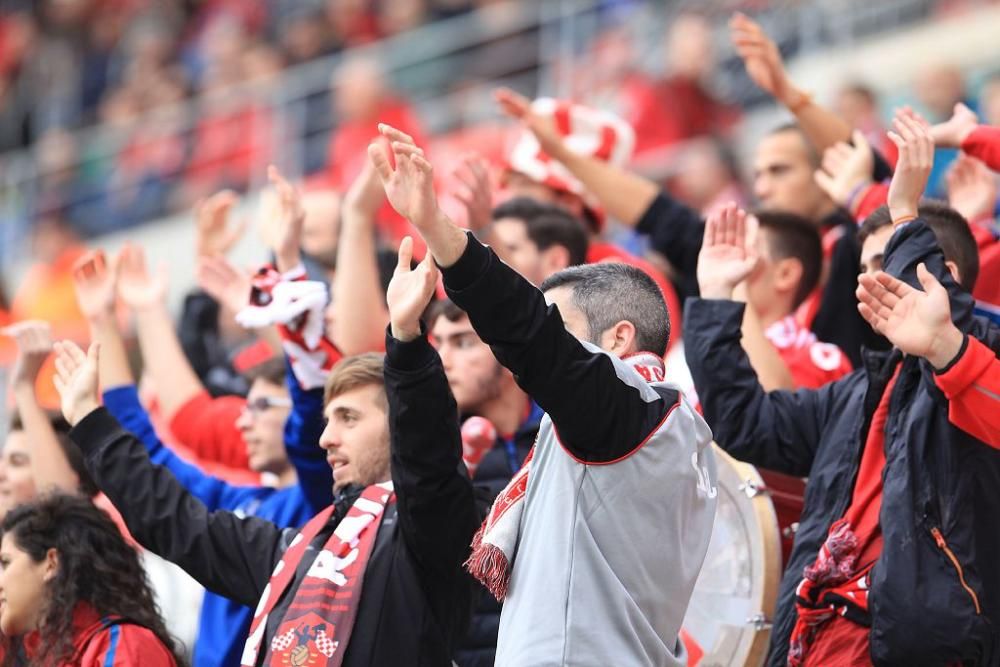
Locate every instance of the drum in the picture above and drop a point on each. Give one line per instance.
(728, 619)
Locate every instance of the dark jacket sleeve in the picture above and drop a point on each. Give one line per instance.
(228, 555)
(599, 417)
(676, 232)
(435, 505)
(779, 430)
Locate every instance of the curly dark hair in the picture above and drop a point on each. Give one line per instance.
(96, 566)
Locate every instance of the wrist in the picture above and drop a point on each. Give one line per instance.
(901, 214)
(286, 260)
(719, 291)
(856, 193)
(794, 99)
(945, 347)
(405, 333)
(81, 410)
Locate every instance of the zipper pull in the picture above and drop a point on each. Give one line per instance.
(939, 538)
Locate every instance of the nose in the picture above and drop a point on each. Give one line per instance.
(3, 471)
(245, 420)
(762, 187)
(329, 438)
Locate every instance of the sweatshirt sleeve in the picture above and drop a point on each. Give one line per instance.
(984, 143)
(124, 405)
(599, 416)
(228, 555)
(972, 386)
(437, 513)
(676, 232)
(302, 432)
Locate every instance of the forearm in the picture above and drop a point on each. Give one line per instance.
(971, 383)
(426, 454)
(164, 359)
(114, 369)
(49, 466)
(623, 194)
(822, 127)
(303, 428)
(676, 232)
(445, 240)
(230, 556)
(360, 314)
(772, 372)
(984, 143)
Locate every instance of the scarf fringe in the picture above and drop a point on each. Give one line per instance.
(488, 564)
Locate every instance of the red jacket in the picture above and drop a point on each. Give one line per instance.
(108, 642)
(984, 143)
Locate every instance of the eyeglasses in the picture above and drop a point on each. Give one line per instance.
(265, 403)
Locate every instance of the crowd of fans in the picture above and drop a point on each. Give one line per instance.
(384, 342)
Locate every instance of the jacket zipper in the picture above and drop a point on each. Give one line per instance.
(943, 546)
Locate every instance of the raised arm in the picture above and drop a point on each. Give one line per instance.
(436, 508)
(600, 417)
(302, 431)
(360, 315)
(49, 466)
(779, 430)
(766, 68)
(228, 555)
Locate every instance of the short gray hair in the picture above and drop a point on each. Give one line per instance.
(610, 292)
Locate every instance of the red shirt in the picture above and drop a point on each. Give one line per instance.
(840, 641)
(811, 362)
(207, 427)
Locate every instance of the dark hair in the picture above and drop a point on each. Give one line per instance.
(96, 566)
(610, 292)
(443, 308)
(862, 90)
(548, 225)
(73, 455)
(952, 232)
(813, 154)
(792, 236)
(271, 371)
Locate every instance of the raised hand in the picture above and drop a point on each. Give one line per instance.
(912, 137)
(518, 107)
(917, 322)
(34, 345)
(410, 186)
(284, 230)
(224, 282)
(477, 195)
(95, 281)
(953, 132)
(972, 188)
(727, 256)
(76, 380)
(215, 235)
(409, 292)
(762, 59)
(137, 286)
(846, 169)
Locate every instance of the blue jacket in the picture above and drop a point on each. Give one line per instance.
(224, 624)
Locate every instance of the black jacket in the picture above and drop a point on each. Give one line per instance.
(676, 232)
(479, 647)
(416, 598)
(936, 476)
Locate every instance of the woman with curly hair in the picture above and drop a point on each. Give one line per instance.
(73, 593)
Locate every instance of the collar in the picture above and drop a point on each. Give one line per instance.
(650, 366)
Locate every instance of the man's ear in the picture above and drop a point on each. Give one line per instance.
(619, 339)
(787, 274)
(953, 270)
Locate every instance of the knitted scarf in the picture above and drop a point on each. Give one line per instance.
(316, 627)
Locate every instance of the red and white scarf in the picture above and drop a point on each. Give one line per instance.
(494, 544)
(320, 618)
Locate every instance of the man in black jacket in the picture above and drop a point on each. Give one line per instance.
(895, 558)
(414, 598)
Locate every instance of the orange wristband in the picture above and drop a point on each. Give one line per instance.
(903, 220)
(805, 99)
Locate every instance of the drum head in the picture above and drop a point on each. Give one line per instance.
(727, 621)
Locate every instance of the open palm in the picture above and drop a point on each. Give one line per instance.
(137, 287)
(911, 319)
(410, 185)
(76, 380)
(94, 281)
(409, 292)
(726, 256)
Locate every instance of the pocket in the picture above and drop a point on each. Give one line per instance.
(942, 544)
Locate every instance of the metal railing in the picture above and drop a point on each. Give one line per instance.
(543, 46)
